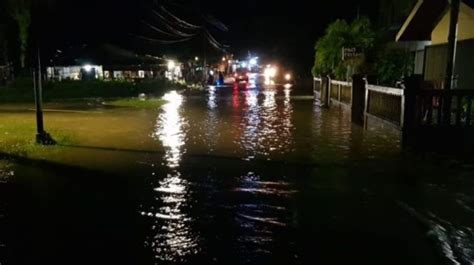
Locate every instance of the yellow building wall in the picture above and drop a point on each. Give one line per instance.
(465, 26)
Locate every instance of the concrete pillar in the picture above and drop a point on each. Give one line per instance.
(325, 86)
(409, 109)
(358, 99)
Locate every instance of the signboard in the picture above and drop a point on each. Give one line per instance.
(351, 53)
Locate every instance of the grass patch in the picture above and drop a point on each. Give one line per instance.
(137, 103)
(18, 138)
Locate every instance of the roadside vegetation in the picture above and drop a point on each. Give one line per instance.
(382, 60)
(21, 90)
(152, 103)
(17, 137)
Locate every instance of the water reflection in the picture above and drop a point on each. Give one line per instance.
(211, 128)
(172, 238)
(263, 218)
(211, 100)
(6, 173)
(266, 125)
(170, 129)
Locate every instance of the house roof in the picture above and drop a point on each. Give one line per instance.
(104, 54)
(423, 19)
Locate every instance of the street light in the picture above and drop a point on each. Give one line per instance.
(288, 77)
(196, 58)
(171, 65)
(223, 59)
(87, 67)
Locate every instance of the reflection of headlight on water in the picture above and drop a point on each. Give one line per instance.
(269, 81)
(173, 98)
(251, 98)
(170, 129)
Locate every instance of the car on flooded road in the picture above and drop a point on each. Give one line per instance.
(241, 76)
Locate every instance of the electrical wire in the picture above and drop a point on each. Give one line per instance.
(158, 30)
(160, 41)
(169, 26)
(181, 21)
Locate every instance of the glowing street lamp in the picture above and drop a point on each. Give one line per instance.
(87, 68)
(171, 65)
(288, 77)
(196, 58)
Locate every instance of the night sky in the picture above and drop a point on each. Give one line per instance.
(283, 31)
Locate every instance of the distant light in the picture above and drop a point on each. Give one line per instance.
(211, 72)
(270, 72)
(196, 58)
(230, 61)
(87, 67)
(223, 59)
(253, 61)
(288, 77)
(171, 64)
(243, 64)
(287, 86)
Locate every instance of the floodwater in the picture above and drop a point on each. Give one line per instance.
(230, 176)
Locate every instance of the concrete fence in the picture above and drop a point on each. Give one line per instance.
(386, 103)
(430, 119)
(383, 103)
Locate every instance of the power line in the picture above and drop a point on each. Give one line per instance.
(181, 21)
(158, 30)
(160, 41)
(169, 26)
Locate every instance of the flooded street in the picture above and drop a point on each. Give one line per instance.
(229, 176)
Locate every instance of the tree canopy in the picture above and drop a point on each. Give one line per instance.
(387, 61)
(340, 34)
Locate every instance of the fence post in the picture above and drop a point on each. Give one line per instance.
(325, 90)
(358, 99)
(412, 85)
(314, 85)
(339, 90)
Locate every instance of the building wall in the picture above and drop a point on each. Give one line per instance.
(465, 26)
(436, 60)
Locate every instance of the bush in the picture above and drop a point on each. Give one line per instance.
(22, 90)
(392, 65)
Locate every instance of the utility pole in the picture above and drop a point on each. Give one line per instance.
(452, 43)
(42, 137)
(451, 63)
